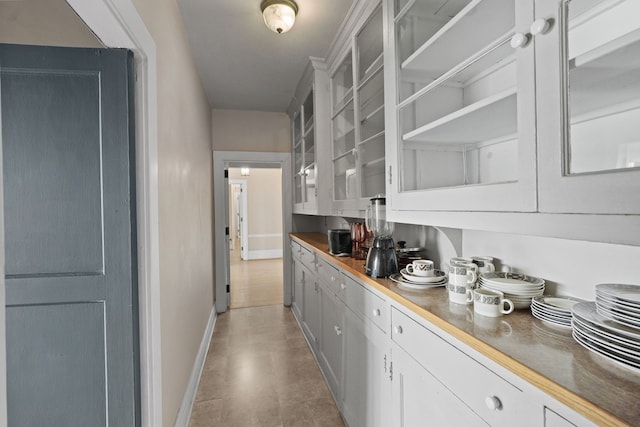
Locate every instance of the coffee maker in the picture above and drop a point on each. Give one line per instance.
(382, 260)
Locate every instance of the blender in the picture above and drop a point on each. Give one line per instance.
(382, 260)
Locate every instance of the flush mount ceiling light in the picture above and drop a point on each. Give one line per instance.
(279, 15)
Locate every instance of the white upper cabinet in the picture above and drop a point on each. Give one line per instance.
(588, 81)
(309, 113)
(461, 112)
(357, 117)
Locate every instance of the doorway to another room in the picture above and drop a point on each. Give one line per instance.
(255, 236)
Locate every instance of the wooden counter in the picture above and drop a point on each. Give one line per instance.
(544, 355)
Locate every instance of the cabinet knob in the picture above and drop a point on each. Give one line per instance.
(397, 330)
(493, 403)
(540, 26)
(519, 40)
(338, 330)
(376, 312)
(343, 286)
(333, 278)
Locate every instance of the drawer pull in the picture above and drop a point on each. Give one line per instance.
(343, 286)
(493, 403)
(376, 312)
(397, 330)
(333, 278)
(338, 330)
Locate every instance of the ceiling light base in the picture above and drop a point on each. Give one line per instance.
(279, 15)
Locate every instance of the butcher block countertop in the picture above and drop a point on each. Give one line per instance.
(544, 355)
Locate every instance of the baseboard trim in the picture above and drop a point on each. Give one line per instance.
(184, 413)
(265, 254)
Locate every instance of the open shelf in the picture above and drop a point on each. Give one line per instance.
(486, 119)
(452, 44)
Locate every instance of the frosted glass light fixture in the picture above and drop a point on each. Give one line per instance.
(244, 172)
(279, 15)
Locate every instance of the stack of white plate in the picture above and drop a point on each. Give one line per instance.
(519, 288)
(620, 303)
(554, 310)
(604, 336)
(410, 281)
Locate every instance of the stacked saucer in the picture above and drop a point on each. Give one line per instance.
(554, 310)
(414, 282)
(604, 336)
(620, 303)
(519, 288)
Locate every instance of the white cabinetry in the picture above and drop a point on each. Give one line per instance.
(332, 340)
(310, 136)
(445, 367)
(357, 117)
(493, 107)
(297, 297)
(461, 119)
(310, 296)
(367, 359)
(588, 106)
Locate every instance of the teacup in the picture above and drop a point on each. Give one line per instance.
(463, 275)
(485, 264)
(487, 302)
(460, 294)
(421, 267)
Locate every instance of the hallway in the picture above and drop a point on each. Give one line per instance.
(255, 282)
(260, 372)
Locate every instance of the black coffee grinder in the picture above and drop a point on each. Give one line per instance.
(382, 260)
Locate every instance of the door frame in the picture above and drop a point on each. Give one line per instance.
(221, 160)
(117, 24)
(244, 214)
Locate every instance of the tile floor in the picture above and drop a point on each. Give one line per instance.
(255, 282)
(260, 372)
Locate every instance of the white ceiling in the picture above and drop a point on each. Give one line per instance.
(244, 65)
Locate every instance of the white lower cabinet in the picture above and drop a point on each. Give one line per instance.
(297, 297)
(419, 399)
(331, 340)
(311, 313)
(367, 380)
(443, 366)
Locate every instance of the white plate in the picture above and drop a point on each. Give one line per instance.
(622, 305)
(588, 344)
(438, 277)
(622, 352)
(628, 293)
(511, 279)
(632, 322)
(558, 303)
(592, 330)
(586, 311)
(402, 282)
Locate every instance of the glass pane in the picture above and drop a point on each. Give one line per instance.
(371, 101)
(310, 183)
(458, 115)
(297, 158)
(307, 109)
(342, 83)
(297, 191)
(296, 129)
(372, 165)
(370, 46)
(309, 149)
(344, 139)
(604, 85)
(344, 177)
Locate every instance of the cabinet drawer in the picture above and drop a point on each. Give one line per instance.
(295, 250)
(308, 258)
(329, 276)
(494, 399)
(366, 303)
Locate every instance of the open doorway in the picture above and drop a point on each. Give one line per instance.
(252, 273)
(255, 235)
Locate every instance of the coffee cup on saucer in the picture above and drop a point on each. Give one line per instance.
(421, 267)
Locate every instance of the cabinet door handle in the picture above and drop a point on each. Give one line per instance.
(540, 26)
(397, 330)
(493, 403)
(343, 286)
(338, 330)
(376, 312)
(519, 40)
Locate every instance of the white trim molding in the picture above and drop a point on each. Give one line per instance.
(117, 24)
(265, 254)
(186, 407)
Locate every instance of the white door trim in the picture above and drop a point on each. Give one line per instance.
(220, 160)
(244, 214)
(117, 24)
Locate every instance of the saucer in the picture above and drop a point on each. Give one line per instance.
(437, 277)
(404, 283)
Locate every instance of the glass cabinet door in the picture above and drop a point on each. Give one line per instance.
(461, 93)
(309, 163)
(594, 138)
(370, 95)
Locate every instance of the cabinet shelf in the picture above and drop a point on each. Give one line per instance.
(489, 118)
(372, 138)
(452, 43)
(379, 162)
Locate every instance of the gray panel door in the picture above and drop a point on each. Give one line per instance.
(69, 205)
